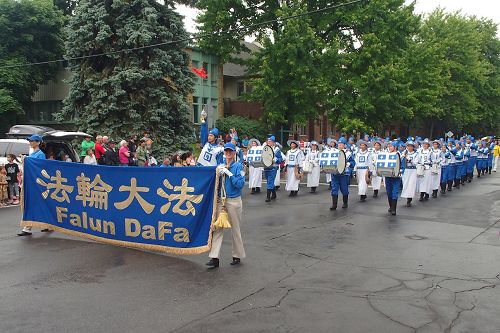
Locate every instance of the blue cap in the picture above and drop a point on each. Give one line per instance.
(272, 138)
(214, 131)
(342, 140)
(35, 137)
(230, 146)
(351, 139)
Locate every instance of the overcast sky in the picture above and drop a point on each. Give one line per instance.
(481, 8)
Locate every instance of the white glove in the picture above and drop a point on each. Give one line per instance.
(220, 169)
(227, 172)
(274, 160)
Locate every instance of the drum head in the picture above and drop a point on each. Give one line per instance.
(397, 168)
(267, 156)
(341, 163)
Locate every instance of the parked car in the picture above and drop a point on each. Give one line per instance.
(55, 143)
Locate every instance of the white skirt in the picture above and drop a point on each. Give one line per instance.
(255, 177)
(362, 185)
(409, 183)
(292, 183)
(424, 183)
(313, 177)
(436, 180)
(376, 182)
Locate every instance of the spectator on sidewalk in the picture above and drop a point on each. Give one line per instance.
(124, 153)
(86, 144)
(99, 149)
(111, 156)
(90, 158)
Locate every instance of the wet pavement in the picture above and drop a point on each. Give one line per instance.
(434, 267)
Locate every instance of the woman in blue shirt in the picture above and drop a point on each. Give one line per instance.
(234, 180)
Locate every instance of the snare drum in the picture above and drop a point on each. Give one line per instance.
(435, 168)
(307, 166)
(261, 157)
(388, 164)
(420, 170)
(333, 161)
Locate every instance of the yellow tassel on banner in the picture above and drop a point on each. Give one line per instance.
(223, 220)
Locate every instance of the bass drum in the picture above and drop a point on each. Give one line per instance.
(333, 162)
(267, 156)
(388, 164)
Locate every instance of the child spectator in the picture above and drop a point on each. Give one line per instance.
(12, 170)
(3, 186)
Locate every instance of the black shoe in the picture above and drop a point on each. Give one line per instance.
(257, 190)
(390, 204)
(345, 200)
(335, 200)
(329, 185)
(273, 194)
(408, 202)
(236, 261)
(214, 262)
(394, 206)
(426, 196)
(375, 193)
(362, 198)
(434, 193)
(46, 230)
(253, 190)
(268, 196)
(24, 233)
(422, 195)
(313, 190)
(277, 188)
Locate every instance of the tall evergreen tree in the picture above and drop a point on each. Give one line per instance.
(129, 89)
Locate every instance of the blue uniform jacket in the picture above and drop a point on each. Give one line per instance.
(235, 183)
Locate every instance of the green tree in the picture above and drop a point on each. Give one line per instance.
(30, 31)
(67, 6)
(129, 91)
(460, 68)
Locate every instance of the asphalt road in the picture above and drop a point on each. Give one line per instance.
(434, 267)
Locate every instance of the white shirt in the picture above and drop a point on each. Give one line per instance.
(90, 160)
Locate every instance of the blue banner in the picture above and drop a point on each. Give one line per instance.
(159, 209)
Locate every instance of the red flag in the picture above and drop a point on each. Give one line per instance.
(200, 72)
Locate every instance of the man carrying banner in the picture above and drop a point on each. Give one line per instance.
(233, 182)
(35, 141)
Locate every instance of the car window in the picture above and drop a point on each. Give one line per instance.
(19, 148)
(3, 148)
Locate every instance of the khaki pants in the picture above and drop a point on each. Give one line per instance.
(234, 209)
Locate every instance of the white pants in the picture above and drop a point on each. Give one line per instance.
(234, 209)
(362, 185)
(495, 163)
(278, 177)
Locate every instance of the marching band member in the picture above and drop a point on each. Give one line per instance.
(233, 184)
(239, 152)
(491, 148)
(392, 184)
(255, 174)
(342, 181)
(482, 162)
(331, 146)
(425, 162)
(410, 157)
(452, 168)
(362, 160)
(293, 161)
(436, 158)
(445, 168)
(472, 147)
(459, 156)
(212, 153)
(270, 173)
(376, 180)
(465, 161)
(313, 157)
(277, 180)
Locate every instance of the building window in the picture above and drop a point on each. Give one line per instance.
(44, 111)
(196, 110)
(240, 88)
(214, 75)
